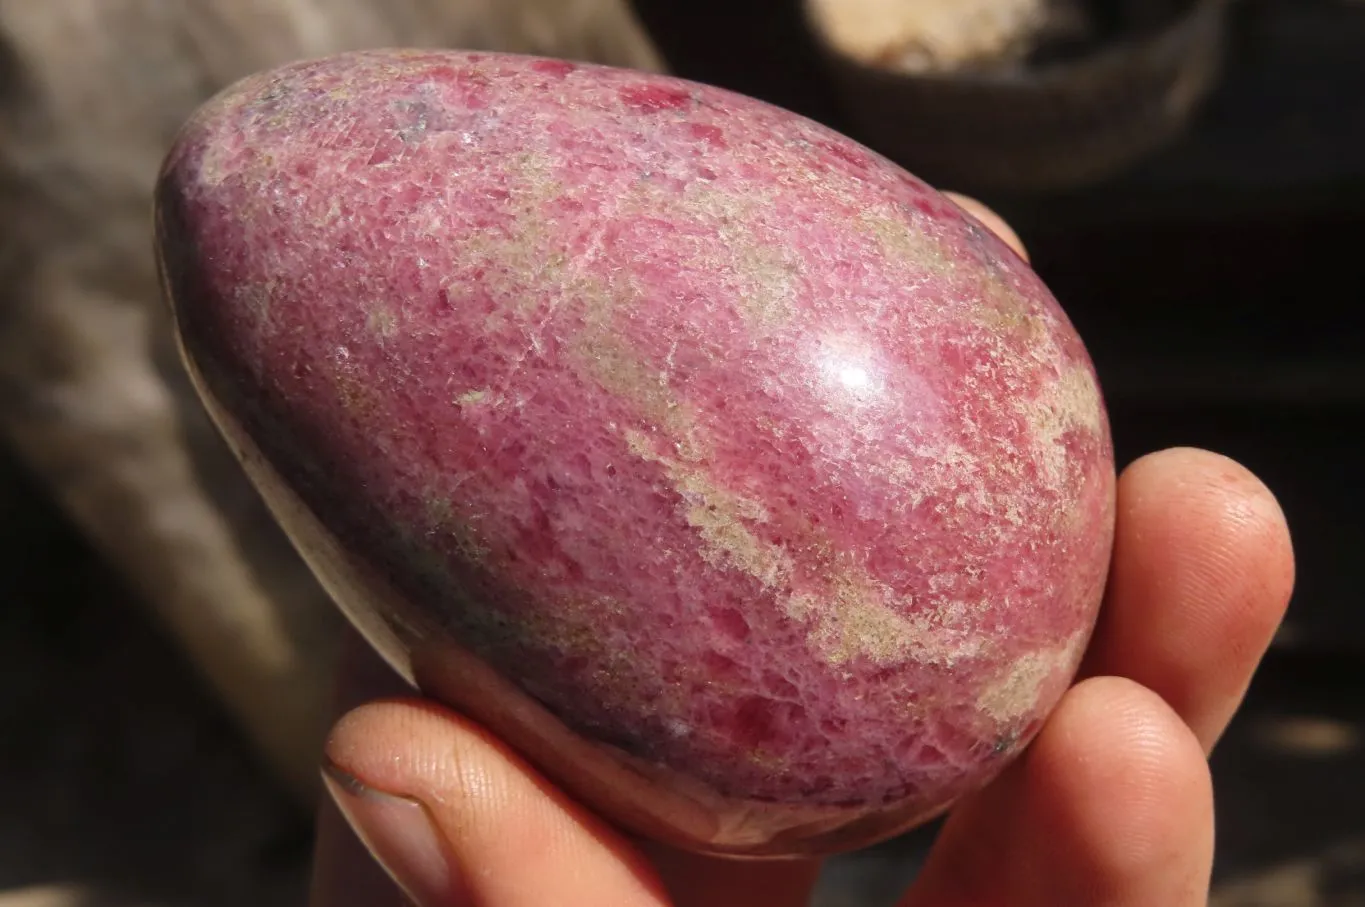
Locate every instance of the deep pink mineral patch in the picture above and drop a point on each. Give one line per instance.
(732, 444)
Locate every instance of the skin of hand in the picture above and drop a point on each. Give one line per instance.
(1111, 805)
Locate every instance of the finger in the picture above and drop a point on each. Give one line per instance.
(457, 819)
(404, 763)
(1201, 576)
(1112, 805)
(344, 873)
(990, 220)
(346, 876)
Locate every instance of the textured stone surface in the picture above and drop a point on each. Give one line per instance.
(95, 401)
(726, 441)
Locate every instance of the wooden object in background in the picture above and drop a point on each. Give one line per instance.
(930, 35)
(1069, 110)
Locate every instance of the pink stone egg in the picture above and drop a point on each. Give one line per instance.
(751, 490)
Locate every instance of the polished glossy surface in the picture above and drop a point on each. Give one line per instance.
(758, 495)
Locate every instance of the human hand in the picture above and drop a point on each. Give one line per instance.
(1110, 805)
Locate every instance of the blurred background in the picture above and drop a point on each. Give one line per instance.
(1190, 179)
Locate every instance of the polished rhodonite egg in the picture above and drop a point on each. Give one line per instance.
(754, 492)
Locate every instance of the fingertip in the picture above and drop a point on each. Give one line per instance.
(1202, 573)
(1239, 501)
(1119, 788)
(991, 221)
(1115, 742)
(1196, 467)
(515, 838)
(392, 744)
(1111, 804)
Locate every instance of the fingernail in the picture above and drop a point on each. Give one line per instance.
(400, 834)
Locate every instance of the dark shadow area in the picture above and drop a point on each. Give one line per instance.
(118, 774)
(1289, 772)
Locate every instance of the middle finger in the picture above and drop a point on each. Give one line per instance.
(1201, 576)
